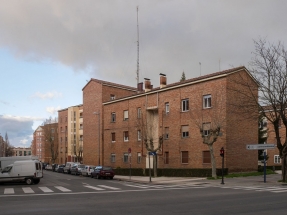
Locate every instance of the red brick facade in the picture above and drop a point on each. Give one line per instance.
(182, 149)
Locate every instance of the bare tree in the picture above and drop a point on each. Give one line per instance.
(51, 139)
(211, 123)
(269, 68)
(148, 127)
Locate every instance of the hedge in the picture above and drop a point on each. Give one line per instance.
(170, 172)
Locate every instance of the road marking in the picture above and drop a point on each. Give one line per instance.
(62, 189)
(27, 190)
(94, 188)
(108, 187)
(46, 190)
(9, 191)
(138, 186)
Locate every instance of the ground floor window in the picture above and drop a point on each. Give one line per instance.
(206, 157)
(139, 157)
(166, 157)
(113, 158)
(126, 157)
(277, 159)
(184, 157)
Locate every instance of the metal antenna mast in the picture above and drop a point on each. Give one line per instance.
(138, 43)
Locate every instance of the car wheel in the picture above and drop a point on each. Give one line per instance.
(36, 181)
(111, 178)
(98, 177)
(92, 176)
(29, 181)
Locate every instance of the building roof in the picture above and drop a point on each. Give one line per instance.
(106, 83)
(188, 82)
(80, 105)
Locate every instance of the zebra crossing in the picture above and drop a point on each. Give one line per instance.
(89, 188)
(274, 189)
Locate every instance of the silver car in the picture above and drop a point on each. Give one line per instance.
(87, 170)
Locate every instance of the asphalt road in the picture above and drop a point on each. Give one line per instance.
(66, 194)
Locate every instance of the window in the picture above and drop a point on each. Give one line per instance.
(61, 139)
(126, 157)
(207, 101)
(166, 132)
(185, 105)
(184, 157)
(81, 115)
(113, 117)
(277, 159)
(126, 114)
(139, 135)
(139, 113)
(113, 158)
(66, 139)
(206, 157)
(52, 130)
(184, 131)
(113, 137)
(81, 126)
(126, 136)
(113, 97)
(167, 107)
(206, 128)
(139, 157)
(166, 157)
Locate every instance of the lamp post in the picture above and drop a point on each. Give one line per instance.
(98, 113)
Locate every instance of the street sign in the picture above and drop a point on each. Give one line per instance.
(260, 146)
(152, 153)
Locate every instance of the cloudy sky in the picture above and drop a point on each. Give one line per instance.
(50, 48)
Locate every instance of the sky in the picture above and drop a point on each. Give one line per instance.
(50, 49)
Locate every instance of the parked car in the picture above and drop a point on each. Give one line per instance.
(48, 167)
(103, 172)
(61, 168)
(68, 166)
(87, 170)
(77, 169)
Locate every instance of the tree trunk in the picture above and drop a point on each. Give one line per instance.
(155, 165)
(213, 161)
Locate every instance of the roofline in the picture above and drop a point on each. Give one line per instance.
(110, 84)
(70, 107)
(186, 83)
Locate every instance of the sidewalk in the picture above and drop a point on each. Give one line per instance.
(271, 180)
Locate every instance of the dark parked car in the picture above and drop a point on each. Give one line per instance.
(103, 172)
(61, 168)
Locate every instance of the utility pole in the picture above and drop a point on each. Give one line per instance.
(138, 46)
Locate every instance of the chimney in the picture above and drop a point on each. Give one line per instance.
(162, 80)
(147, 85)
(140, 86)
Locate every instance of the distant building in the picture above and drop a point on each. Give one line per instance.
(21, 151)
(70, 128)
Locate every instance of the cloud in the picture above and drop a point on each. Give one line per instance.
(100, 36)
(48, 95)
(24, 141)
(19, 129)
(53, 110)
(4, 103)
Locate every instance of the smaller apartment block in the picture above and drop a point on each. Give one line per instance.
(118, 119)
(20, 151)
(70, 134)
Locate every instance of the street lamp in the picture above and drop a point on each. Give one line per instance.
(98, 113)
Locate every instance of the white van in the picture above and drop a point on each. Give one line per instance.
(29, 171)
(5, 161)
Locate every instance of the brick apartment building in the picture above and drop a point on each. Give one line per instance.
(41, 146)
(70, 134)
(113, 121)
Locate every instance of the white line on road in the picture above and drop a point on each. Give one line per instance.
(27, 190)
(108, 187)
(9, 191)
(62, 189)
(94, 188)
(46, 190)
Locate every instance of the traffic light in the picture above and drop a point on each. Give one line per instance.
(222, 152)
